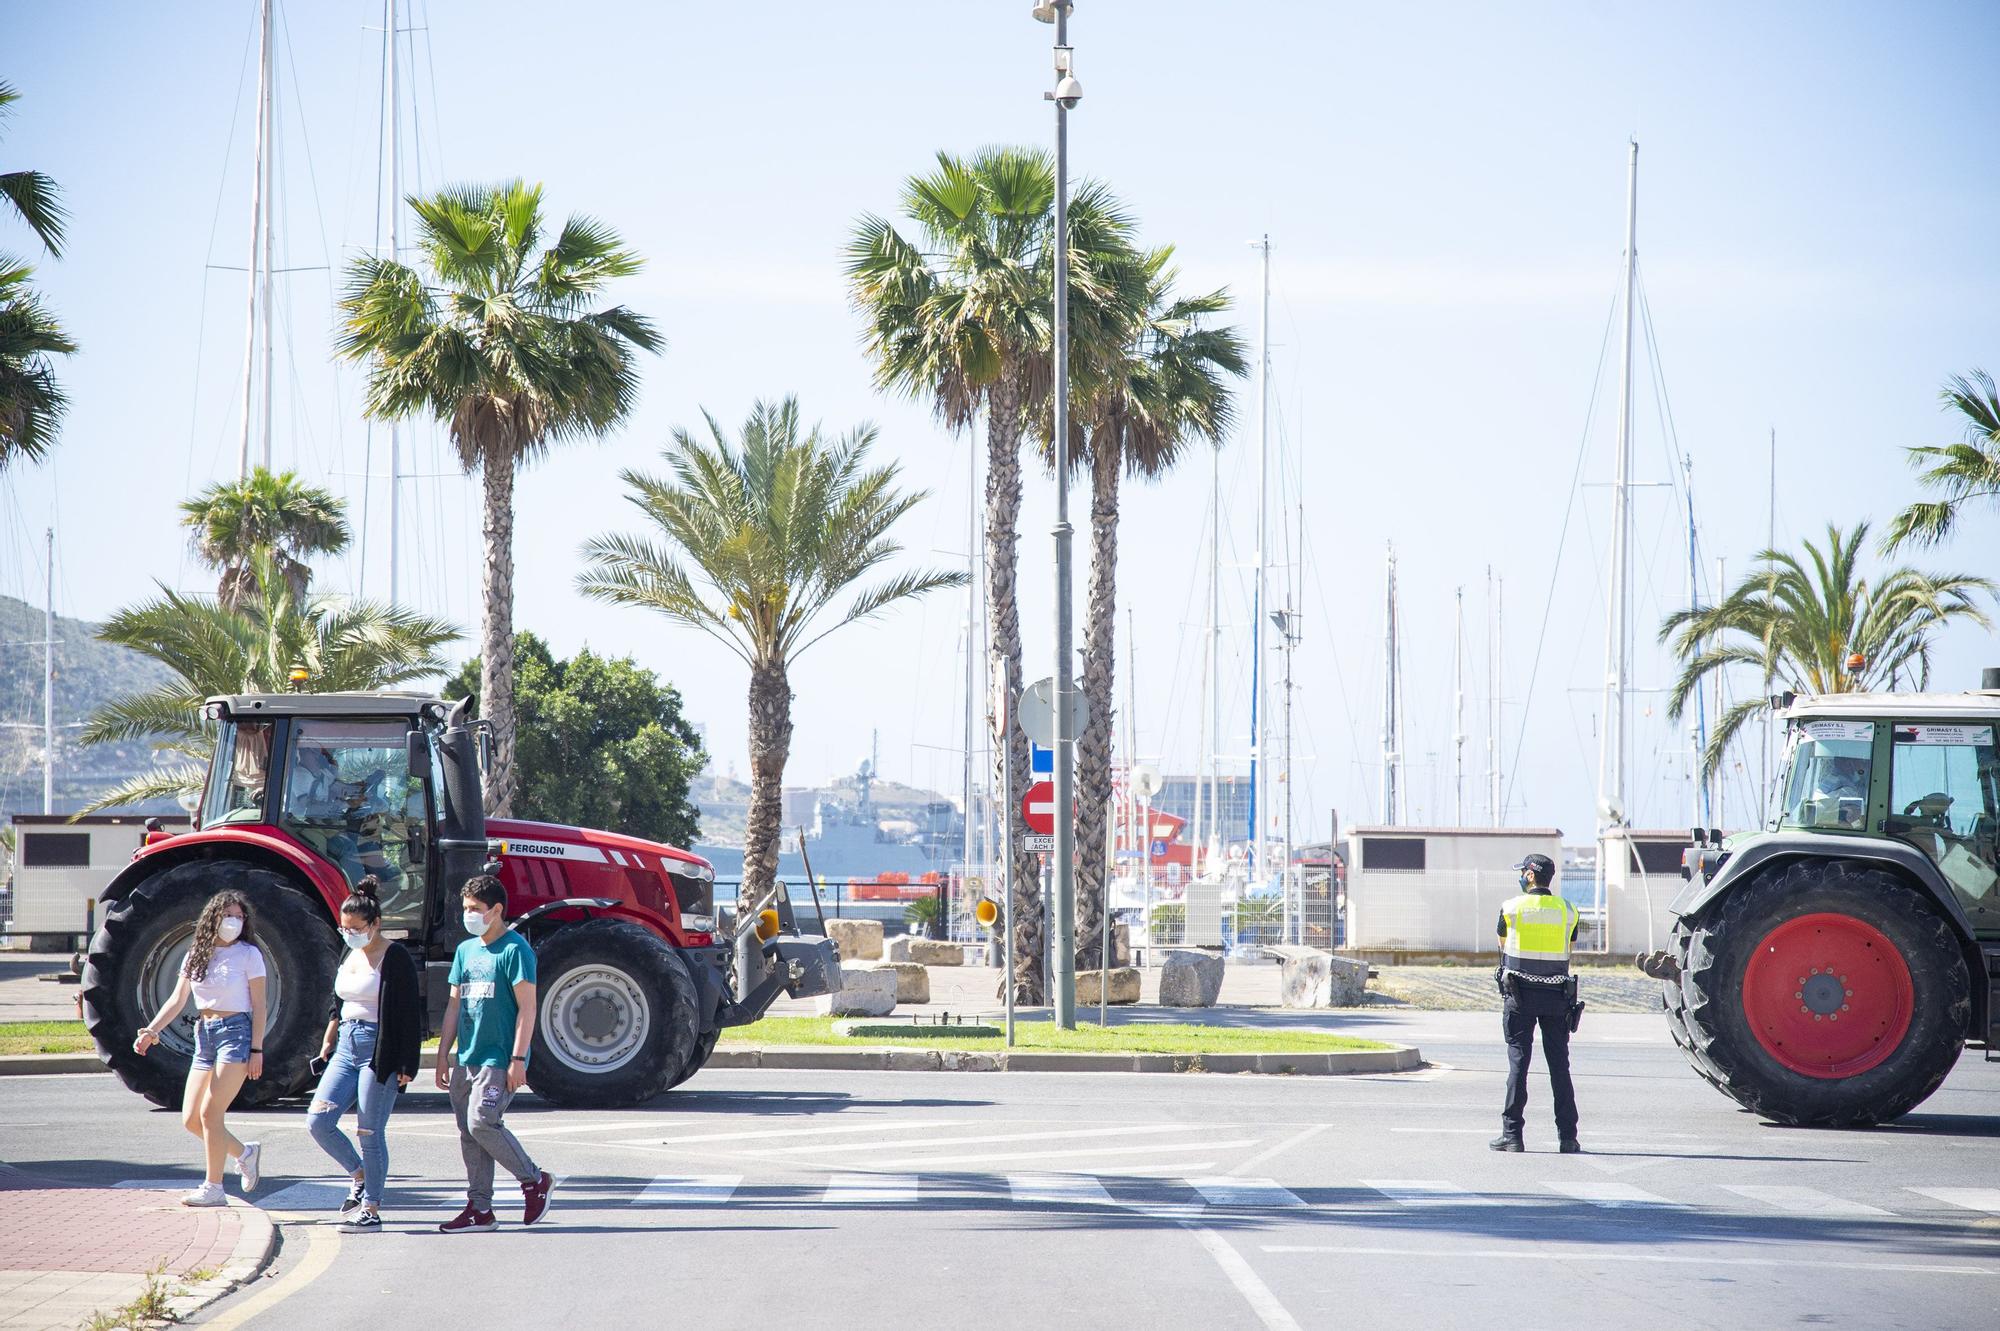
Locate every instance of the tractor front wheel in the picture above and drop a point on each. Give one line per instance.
(616, 1021)
(1829, 993)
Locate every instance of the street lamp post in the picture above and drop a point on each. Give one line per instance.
(1065, 95)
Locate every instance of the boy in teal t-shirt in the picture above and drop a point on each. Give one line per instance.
(489, 1027)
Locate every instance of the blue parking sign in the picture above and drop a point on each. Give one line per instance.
(1040, 760)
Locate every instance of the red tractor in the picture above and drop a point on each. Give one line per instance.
(309, 792)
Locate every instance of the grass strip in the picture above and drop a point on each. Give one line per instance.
(1137, 1038)
(44, 1037)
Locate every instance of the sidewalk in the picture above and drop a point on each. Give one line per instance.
(67, 1252)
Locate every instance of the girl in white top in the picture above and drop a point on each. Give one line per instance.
(224, 973)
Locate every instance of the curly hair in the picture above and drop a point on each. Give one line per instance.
(206, 925)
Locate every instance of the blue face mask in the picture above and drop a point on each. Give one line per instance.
(1527, 882)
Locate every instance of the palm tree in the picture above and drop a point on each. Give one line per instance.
(754, 542)
(1966, 471)
(959, 312)
(30, 195)
(1162, 390)
(237, 523)
(213, 649)
(32, 403)
(1818, 624)
(501, 340)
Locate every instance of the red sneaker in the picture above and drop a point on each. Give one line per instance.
(535, 1198)
(469, 1221)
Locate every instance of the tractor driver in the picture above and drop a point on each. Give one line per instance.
(1841, 785)
(249, 771)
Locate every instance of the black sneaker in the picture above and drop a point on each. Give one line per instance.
(353, 1202)
(363, 1221)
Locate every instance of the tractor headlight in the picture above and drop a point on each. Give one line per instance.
(698, 924)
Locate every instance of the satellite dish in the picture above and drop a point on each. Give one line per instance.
(1144, 780)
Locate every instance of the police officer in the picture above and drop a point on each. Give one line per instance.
(1536, 930)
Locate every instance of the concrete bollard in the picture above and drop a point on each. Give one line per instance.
(859, 940)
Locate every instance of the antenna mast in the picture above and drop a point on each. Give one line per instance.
(260, 259)
(1611, 811)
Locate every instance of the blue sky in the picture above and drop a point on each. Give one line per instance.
(1444, 188)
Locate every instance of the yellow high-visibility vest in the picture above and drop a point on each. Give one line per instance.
(1539, 926)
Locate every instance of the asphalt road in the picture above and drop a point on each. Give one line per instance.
(1005, 1200)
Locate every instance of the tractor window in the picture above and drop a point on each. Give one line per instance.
(352, 797)
(1944, 798)
(1826, 787)
(237, 777)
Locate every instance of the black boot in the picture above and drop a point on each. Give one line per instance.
(1571, 1146)
(1506, 1141)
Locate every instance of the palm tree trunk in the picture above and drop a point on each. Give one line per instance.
(1003, 513)
(496, 630)
(770, 748)
(1093, 750)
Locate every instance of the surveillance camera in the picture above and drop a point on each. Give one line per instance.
(1069, 92)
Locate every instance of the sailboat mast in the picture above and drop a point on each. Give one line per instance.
(268, 132)
(1214, 735)
(49, 678)
(1611, 809)
(1495, 589)
(1698, 806)
(1259, 722)
(258, 205)
(1391, 759)
(393, 125)
(1458, 708)
(971, 649)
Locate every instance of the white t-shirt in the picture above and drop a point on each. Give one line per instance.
(358, 985)
(226, 987)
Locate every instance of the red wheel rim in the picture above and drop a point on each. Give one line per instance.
(1827, 995)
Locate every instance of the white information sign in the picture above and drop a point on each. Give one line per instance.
(1838, 730)
(1040, 843)
(1981, 736)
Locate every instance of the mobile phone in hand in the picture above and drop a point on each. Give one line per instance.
(318, 1065)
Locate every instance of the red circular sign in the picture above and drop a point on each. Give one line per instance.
(1038, 808)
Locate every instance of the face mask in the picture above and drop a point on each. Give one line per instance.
(229, 929)
(475, 921)
(355, 938)
(1526, 882)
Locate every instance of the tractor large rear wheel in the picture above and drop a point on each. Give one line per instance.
(1828, 993)
(135, 959)
(616, 1019)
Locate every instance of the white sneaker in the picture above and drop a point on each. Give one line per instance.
(208, 1194)
(249, 1165)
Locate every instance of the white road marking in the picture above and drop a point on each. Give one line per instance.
(1057, 1190)
(889, 1125)
(308, 1196)
(1089, 1153)
(1801, 1201)
(1287, 1144)
(871, 1190)
(1254, 1291)
(1476, 1132)
(1258, 1192)
(1154, 1171)
(1970, 1199)
(184, 1184)
(1599, 1254)
(1059, 1134)
(1426, 1192)
(688, 1190)
(1610, 1194)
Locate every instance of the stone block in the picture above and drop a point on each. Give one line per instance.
(864, 992)
(859, 940)
(1124, 987)
(1190, 979)
(1310, 978)
(923, 951)
(913, 981)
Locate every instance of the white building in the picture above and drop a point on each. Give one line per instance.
(1435, 889)
(60, 865)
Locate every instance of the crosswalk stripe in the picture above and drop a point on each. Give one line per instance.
(886, 1125)
(1087, 1153)
(1426, 1192)
(308, 1196)
(1801, 1201)
(1057, 1190)
(1259, 1192)
(688, 1190)
(871, 1190)
(1609, 1194)
(1970, 1199)
(1059, 1134)
(185, 1184)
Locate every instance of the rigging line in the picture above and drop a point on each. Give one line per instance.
(1562, 536)
(430, 69)
(1339, 677)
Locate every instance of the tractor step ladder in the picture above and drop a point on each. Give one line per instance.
(1991, 956)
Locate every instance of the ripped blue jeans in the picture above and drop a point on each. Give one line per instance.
(349, 1079)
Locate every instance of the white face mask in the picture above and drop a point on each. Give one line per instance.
(356, 938)
(475, 922)
(229, 928)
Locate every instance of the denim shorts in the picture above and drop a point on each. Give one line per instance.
(221, 1040)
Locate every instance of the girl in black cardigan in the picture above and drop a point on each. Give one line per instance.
(370, 1053)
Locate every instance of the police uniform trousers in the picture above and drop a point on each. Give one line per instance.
(1528, 1007)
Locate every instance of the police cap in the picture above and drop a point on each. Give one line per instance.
(1540, 867)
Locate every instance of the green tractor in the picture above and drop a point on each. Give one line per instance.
(1827, 970)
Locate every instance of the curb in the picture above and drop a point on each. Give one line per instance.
(1397, 1058)
(255, 1245)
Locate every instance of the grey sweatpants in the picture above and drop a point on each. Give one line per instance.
(479, 1098)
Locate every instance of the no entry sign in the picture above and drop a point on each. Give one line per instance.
(1038, 808)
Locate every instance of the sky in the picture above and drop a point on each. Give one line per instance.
(1444, 189)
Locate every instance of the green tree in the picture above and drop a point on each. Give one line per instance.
(32, 402)
(601, 742)
(498, 338)
(762, 544)
(213, 649)
(1816, 623)
(1962, 473)
(1162, 388)
(270, 516)
(959, 312)
(30, 195)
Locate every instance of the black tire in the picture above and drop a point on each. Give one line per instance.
(1722, 1046)
(616, 1019)
(135, 957)
(703, 1047)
